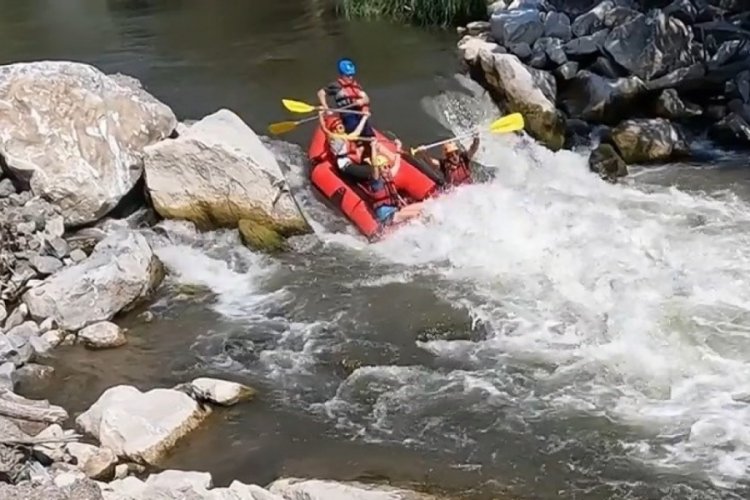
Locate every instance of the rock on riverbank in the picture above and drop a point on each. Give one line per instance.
(673, 74)
(217, 173)
(73, 144)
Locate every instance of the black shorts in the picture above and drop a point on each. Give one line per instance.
(360, 172)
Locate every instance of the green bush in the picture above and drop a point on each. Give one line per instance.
(420, 12)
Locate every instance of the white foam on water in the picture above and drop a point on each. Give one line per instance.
(630, 301)
(217, 260)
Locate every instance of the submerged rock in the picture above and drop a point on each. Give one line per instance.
(514, 85)
(221, 392)
(606, 162)
(102, 335)
(75, 135)
(648, 140)
(121, 270)
(141, 426)
(316, 489)
(218, 173)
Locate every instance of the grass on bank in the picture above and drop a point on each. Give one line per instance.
(419, 12)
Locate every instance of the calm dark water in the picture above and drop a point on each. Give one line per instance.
(492, 360)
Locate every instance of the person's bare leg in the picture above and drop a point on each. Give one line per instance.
(408, 212)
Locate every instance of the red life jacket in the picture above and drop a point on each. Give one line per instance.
(456, 174)
(352, 151)
(351, 91)
(384, 193)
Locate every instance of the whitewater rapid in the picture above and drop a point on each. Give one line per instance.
(624, 303)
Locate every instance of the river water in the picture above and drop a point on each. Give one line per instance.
(543, 334)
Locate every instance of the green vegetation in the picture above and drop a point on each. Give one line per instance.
(419, 12)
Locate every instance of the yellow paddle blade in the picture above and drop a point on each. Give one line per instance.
(510, 123)
(282, 127)
(298, 106)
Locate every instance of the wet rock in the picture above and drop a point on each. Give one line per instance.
(513, 84)
(552, 49)
(670, 106)
(591, 97)
(573, 7)
(545, 82)
(522, 50)
(586, 45)
(591, 21)
(618, 15)
(32, 374)
(678, 78)
(6, 188)
(85, 174)
(606, 162)
(732, 130)
(45, 265)
(95, 462)
(315, 489)
(650, 45)
(53, 337)
(567, 71)
(683, 10)
(141, 426)
(516, 26)
(102, 335)
(606, 68)
(557, 25)
(648, 140)
(221, 392)
(122, 270)
(219, 173)
(40, 345)
(3, 311)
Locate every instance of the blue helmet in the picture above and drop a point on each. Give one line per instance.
(346, 67)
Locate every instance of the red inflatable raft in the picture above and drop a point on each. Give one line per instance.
(414, 180)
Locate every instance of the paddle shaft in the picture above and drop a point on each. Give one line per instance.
(445, 141)
(337, 110)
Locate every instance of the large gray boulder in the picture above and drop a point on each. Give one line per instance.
(651, 45)
(76, 135)
(121, 270)
(217, 174)
(141, 426)
(518, 88)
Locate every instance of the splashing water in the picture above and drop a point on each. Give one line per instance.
(634, 304)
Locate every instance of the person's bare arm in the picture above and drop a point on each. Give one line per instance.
(422, 154)
(364, 100)
(473, 148)
(322, 98)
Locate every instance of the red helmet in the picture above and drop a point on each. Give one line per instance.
(332, 122)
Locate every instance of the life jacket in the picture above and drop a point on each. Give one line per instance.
(350, 91)
(382, 192)
(349, 150)
(456, 174)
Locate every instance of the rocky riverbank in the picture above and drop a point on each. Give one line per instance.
(636, 80)
(89, 160)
